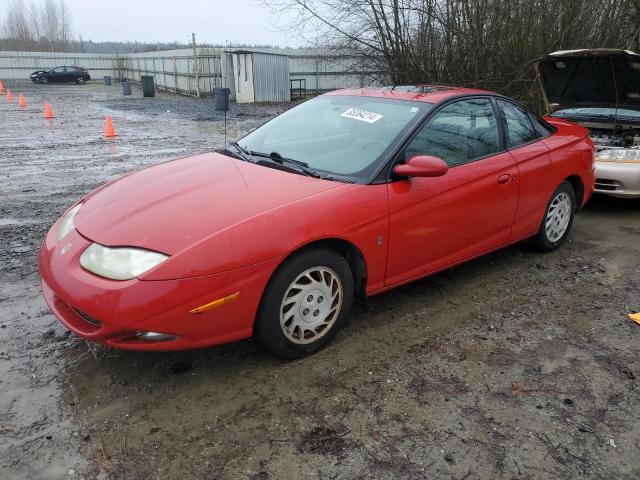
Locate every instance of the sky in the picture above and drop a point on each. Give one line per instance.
(213, 21)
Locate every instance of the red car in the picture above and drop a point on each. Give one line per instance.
(352, 193)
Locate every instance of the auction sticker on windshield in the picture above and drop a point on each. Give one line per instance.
(362, 115)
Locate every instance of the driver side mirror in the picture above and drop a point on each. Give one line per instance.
(422, 166)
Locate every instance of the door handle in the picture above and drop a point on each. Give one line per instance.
(502, 179)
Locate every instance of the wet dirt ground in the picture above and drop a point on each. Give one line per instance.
(517, 365)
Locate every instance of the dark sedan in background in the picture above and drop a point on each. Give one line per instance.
(61, 74)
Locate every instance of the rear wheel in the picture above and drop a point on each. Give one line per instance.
(80, 80)
(558, 218)
(305, 303)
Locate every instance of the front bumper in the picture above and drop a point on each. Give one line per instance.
(112, 312)
(618, 179)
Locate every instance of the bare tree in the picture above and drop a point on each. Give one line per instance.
(64, 31)
(50, 22)
(634, 18)
(16, 24)
(478, 43)
(45, 24)
(35, 19)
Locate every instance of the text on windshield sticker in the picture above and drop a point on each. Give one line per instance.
(362, 115)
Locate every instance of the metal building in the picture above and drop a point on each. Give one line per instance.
(257, 76)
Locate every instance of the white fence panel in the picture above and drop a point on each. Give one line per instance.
(175, 70)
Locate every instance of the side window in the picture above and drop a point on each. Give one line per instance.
(461, 132)
(518, 125)
(541, 129)
(58, 70)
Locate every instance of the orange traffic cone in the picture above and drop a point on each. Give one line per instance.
(9, 95)
(21, 101)
(48, 112)
(108, 127)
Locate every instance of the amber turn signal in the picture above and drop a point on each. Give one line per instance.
(216, 303)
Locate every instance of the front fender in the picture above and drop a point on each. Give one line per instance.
(357, 214)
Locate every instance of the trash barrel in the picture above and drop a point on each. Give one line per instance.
(221, 98)
(148, 86)
(107, 79)
(126, 87)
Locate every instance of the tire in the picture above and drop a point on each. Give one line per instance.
(80, 81)
(288, 323)
(557, 220)
(44, 80)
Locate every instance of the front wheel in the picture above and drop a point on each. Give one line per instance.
(558, 218)
(305, 303)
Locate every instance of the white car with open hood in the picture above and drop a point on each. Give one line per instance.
(600, 90)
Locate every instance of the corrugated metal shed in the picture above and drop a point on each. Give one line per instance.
(271, 77)
(261, 77)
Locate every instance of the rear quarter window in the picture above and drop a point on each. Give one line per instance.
(542, 128)
(518, 125)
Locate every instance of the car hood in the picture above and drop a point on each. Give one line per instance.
(171, 206)
(590, 78)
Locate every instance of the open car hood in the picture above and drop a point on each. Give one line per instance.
(588, 78)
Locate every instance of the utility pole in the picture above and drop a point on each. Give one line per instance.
(195, 64)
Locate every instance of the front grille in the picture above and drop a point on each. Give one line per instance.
(87, 318)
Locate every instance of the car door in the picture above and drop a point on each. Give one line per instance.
(69, 73)
(437, 222)
(532, 157)
(56, 75)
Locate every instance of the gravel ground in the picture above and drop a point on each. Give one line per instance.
(517, 365)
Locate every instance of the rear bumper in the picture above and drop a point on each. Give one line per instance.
(113, 312)
(618, 179)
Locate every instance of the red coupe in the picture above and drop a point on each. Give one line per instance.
(352, 193)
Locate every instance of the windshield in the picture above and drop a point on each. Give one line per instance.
(336, 134)
(621, 113)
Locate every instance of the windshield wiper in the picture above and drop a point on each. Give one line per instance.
(232, 153)
(297, 165)
(244, 153)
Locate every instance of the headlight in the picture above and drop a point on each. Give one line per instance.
(629, 155)
(66, 224)
(119, 263)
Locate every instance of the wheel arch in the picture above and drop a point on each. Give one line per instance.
(578, 188)
(346, 249)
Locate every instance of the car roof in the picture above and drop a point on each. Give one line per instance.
(419, 93)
